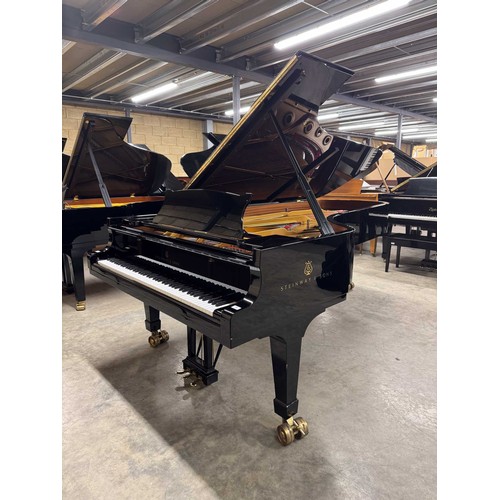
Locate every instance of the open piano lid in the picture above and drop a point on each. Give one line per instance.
(407, 163)
(252, 158)
(126, 169)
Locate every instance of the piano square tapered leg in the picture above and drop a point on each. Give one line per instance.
(153, 325)
(286, 359)
(67, 274)
(73, 267)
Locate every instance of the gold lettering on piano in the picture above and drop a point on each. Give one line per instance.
(304, 281)
(308, 269)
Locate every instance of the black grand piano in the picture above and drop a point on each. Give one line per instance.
(410, 165)
(191, 162)
(216, 257)
(104, 177)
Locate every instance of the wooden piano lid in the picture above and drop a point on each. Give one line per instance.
(252, 158)
(126, 169)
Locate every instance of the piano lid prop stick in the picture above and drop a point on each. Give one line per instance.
(323, 224)
(383, 178)
(102, 186)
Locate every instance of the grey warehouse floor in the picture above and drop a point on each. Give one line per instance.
(367, 388)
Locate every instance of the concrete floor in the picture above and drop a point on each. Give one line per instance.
(367, 387)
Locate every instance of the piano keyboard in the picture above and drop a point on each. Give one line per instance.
(200, 293)
(413, 217)
(405, 217)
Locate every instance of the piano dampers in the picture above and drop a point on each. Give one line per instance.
(215, 212)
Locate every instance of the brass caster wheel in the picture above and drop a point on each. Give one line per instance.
(80, 305)
(351, 285)
(157, 338)
(285, 434)
(154, 341)
(302, 427)
(164, 335)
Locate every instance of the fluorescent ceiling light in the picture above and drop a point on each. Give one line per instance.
(395, 131)
(362, 126)
(230, 112)
(420, 136)
(407, 74)
(162, 89)
(431, 140)
(328, 116)
(343, 22)
(435, 99)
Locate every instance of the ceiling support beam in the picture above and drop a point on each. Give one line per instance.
(138, 108)
(162, 48)
(380, 107)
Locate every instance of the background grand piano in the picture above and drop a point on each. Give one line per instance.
(224, 256)
(104, 177)
(410, 207)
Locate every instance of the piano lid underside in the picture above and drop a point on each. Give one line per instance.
(126, 169)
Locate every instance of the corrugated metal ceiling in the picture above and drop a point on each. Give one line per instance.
(114, 49)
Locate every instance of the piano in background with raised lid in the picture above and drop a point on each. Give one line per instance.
(410, 206)
(244, 251)
(105, 177)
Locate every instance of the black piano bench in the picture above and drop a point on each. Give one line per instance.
(399, 240)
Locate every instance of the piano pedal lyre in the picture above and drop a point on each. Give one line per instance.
(292, 429)
(158, 337)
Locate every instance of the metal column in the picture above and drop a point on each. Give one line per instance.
(236, 99)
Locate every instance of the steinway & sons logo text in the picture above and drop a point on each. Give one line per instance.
(308, 270)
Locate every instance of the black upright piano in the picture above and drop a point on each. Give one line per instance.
(223, 258)
(104, 177)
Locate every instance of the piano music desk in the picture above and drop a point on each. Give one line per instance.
(399, 240)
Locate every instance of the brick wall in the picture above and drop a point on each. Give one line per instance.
(167, 135)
